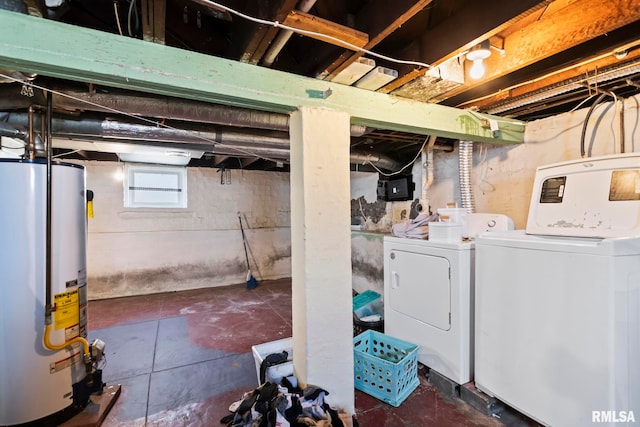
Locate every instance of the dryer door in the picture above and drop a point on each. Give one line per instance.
(420, 287)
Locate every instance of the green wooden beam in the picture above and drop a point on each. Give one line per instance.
(50, 48)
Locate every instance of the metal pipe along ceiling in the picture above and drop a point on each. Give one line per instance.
(179, 109)
(218, 141)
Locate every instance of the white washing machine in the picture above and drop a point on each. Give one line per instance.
(428, 294)
(557, 313)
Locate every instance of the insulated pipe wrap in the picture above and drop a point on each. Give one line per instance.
(465, 159)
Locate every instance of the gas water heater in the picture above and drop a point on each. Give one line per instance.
(46, 364)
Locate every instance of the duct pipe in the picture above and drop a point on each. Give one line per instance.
(283, 37)
(132, 131)
(179, 109)
(120, 130)
(7, 130)
(465, 158)
(379, 160)
(13, 6)
(221, 142)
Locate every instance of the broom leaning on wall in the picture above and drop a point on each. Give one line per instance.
(252, 282)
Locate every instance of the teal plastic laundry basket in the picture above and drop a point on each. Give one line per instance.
(385, 367)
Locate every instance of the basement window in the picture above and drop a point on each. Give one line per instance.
(148, 186)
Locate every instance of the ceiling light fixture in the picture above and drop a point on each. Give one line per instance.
(477, 55)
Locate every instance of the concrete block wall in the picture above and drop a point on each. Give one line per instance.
(142, 251)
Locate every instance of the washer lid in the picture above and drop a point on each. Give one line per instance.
(621, 246)
(593, 197)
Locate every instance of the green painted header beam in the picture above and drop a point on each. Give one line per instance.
(32, 44)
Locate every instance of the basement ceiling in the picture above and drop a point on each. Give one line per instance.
(545, 58)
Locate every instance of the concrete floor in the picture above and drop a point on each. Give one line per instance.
(182, 358)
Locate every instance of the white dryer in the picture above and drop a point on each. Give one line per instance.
(428, 294)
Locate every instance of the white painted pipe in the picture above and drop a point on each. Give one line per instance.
(427, 174)
(283, 37)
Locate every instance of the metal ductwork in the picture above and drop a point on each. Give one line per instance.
(13, 6)
(159, 107)
(7, 130)
(218, 141)
(385, 162)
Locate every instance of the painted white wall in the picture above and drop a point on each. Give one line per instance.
(141, 251)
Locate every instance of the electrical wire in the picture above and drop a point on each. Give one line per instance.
(66, 154)
(369, 162)
(613, 119)
(142, 119)
(586, 121)
(581, 103)
(115, 12)
(131, 7)
(315, 34)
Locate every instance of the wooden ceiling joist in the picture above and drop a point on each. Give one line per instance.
(556, 32)
(153, 20)
(588, 69)
(476, 23)
(396, 14)
(218, 160)
(261, 38)
(245, 163)
(307, 22)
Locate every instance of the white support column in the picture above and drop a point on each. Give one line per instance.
(321, 253)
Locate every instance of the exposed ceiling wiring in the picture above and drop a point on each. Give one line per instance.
(314, 34)
(115, 12)
(399, 171)
(65, 154)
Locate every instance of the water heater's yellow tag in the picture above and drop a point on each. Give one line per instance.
(90, 209)
(67, 312)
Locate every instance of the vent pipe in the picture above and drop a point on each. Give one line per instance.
(465, 160)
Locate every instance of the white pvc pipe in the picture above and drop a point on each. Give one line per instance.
(283, 36)
(427, 174)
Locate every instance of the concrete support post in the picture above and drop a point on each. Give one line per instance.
(321, 253)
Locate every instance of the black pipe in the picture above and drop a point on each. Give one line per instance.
(586, 121)
(49, 231)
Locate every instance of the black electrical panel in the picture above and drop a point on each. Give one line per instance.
(396, 189)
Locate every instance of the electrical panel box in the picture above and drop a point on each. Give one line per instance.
(396, 189)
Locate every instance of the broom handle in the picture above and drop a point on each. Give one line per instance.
(244, 242)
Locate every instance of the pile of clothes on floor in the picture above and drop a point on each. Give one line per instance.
(284, 405)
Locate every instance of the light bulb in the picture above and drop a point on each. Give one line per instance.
(477, 69)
